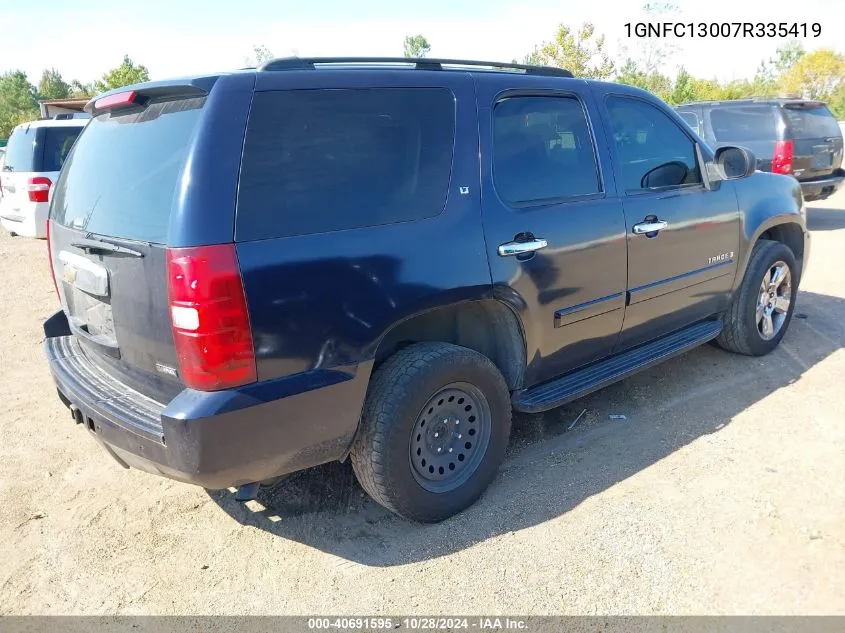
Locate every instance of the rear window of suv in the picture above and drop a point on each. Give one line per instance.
(812, 121)
(58, 142)
(743, 124)
(20, 151)
(40, 148)
(326, 160)
(121, 177)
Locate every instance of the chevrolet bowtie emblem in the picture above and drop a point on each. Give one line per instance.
(70, 274)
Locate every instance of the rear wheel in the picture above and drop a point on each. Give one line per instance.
(762, 308)
(433, 432)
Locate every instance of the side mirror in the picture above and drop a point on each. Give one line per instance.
(734, 163)
(666, 175)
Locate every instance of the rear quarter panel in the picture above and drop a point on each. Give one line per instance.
(325, 300)
(204, 211)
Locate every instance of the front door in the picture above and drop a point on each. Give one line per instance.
(554, 226)
(683, 236)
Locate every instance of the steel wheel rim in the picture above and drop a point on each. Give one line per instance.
(457, 417)
(773, 300)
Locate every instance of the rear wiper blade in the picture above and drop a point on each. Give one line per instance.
(95, 246)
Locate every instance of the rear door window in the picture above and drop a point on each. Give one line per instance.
(542, 150)
(57, 144)
(326, 160)
(20, 151)
(744, 124)
(121, 177)
(810, 122)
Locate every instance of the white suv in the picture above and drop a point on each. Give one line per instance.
(33, 159)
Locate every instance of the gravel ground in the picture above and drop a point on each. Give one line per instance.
(721, 492)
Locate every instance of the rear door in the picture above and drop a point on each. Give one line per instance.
(110, 218)
(816, 138)
(35, 151)
(553, 222)
(18, 168)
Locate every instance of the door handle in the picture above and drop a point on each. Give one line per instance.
(520, 248)
(651, 226)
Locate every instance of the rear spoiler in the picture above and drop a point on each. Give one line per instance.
(804, 104)
(141, 94)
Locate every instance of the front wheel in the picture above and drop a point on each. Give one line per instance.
(762, 308)
(434, 430)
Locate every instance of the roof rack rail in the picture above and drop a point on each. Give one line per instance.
(419, 63)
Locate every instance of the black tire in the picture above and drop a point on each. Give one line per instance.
(741, 333)
(398, 399)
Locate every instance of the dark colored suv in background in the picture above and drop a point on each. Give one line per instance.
(271, 269)
(788, 136)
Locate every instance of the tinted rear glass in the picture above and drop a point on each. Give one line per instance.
(542, 150)
(20, 152)
(57, 144)
(121, 177)
(743, 124)
(326, 160)
(811, 122)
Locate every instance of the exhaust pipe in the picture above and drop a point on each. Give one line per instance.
(76, 414)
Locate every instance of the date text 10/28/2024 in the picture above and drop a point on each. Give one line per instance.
(420, 623)
(723, 29)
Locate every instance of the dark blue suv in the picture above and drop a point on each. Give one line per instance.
(271, 269)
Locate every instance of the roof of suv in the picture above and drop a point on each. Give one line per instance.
(54, 123)
(411, 63)
(401, 64)
(752, 101)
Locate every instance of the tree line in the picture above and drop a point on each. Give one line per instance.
(792, 72)
(19, 98)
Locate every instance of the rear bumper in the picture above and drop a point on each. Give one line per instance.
(29, 220)
(218, 439)
(823, 187)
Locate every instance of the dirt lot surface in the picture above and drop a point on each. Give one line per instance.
(722, 492)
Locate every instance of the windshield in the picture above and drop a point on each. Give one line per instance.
(121, 176)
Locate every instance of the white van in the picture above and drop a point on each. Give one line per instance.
(34, 156)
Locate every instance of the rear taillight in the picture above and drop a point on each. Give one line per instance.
(782, 161)
(38, 189)
(50, 259)
(209, 317)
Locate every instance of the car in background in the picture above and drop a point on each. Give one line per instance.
(788, 136)
(34, 156)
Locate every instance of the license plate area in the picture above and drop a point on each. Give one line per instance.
(822, 159)
(86, 300)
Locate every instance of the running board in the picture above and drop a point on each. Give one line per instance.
(603, 373)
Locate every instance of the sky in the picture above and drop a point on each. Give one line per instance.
(84, 38)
